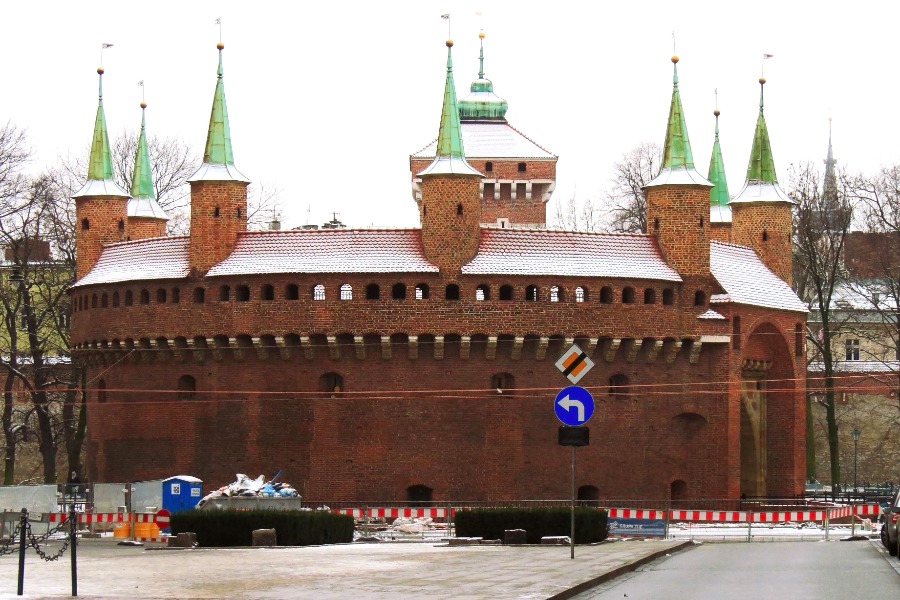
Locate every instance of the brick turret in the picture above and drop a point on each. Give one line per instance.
(450, 209)
(761, 212)
(100, 204)
(678, 199)
(218, 191)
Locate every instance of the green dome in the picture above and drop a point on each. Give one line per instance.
(482, 103)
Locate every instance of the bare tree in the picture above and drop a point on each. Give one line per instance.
(626, 203)
(821, 223)
(575, 215)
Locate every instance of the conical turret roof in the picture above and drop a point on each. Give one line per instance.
(450, 158)
(719, 211)
(678, 160)
(143, 198)
(762, 182)
(100, 178)
(218, 158)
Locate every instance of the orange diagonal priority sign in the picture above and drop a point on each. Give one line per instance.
(574, 363)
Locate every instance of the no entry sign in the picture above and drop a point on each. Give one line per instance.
(162, 518)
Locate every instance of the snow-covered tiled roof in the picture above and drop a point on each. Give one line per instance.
(712, 315)
(748, 281)
(567, 253)
(719, 298)
(492, 140)
(327, 251)
(858, 366)
(154, 258)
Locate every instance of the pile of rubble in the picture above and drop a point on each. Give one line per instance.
(244, 487)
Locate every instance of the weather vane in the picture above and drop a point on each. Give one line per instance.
(762, 67)
(219, 23)
(103, 47)
(446, 17)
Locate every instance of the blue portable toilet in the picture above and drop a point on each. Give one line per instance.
(181, 492)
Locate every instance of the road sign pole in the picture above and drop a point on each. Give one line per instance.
(572, 511)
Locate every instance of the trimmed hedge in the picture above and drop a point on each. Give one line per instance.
(490, 523)
(224, 528)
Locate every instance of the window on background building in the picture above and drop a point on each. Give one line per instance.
(488, 166)
(346, 292)
(851, 349)
(521, 167)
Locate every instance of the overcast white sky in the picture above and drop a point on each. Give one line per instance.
(328, 99)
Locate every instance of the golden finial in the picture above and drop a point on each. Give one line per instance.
(762, 81)
(675, 59)
(99, 70)
(220, 46)
(449, 43)
(481, 35)
(716, 112)
(143, 105)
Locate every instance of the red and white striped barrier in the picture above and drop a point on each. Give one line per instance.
(161, 539)
(718, 516)
(396, 512)
(635, 513)
(91, 517)
(791, 515)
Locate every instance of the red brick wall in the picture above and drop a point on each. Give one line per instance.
(751, 220)
(679, 217)
(450, 212)
(103, 215)
(721, 232)
(213, 237)
(141, 228)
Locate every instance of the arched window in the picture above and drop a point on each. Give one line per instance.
(373, 292)
(93, 300)
(554, 293)
(588, 495)
(619, 386)
(422, 291)
(419, 495)
(668, 297)
(482, 292)
(699, 298)
(580, 295)
(451, 292)
(503, 383)
(187, 386)
(459, 208)
(331, 385)
(628, 295)
(679, 490)
(267, 292)
(145, 297)
(292, 292)
(115, 299)
(216, 212)
(606, 295)
(649, 296)
(242, 293)
(85, 224)
(506, 292)
(176, 295)
(129, 298)
(765, 236)
(398, 291)
(161, 296)
(736, 332)
(199, 295)
(224, 293)
(531, 293)
(121, 224)
(104, 301)
(101, 391)
(319, 292)
(346, 292)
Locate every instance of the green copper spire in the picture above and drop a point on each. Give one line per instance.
(677, 149)
(100, 162)
(449, 142)
(762, 165)
(142, 180)
(718, 195)
(482, 104)
(218, 140)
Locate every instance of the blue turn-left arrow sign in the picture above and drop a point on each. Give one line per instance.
(574, 405)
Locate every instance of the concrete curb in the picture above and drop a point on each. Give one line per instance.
(617, 572)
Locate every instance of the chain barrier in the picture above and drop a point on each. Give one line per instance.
(35, 541)
(8, 546)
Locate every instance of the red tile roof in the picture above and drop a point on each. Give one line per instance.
(154, 258)
(747, 280)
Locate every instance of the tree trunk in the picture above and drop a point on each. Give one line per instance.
(74, 424)
(810, 441)
(9, 464)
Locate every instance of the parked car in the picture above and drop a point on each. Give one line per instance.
(890, 529)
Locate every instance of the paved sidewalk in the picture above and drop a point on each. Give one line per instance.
(357, 571)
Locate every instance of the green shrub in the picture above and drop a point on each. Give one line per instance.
(224, 528)
(490, 523)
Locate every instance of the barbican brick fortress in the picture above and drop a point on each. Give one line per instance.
(418, 364)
